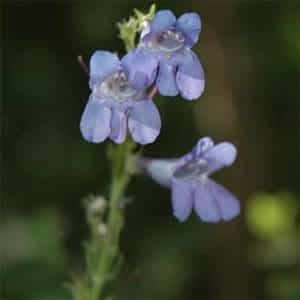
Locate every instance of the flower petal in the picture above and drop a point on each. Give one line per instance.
(166, 82)
(220, 156)
(203, 145)
(228, 203)
(190, 25)
(95, 121)
(182, 199)
(190, 76)
(118, 126)
(144, 122)
(163, 20)
(141, 66)
(205, 204)
(102, 64)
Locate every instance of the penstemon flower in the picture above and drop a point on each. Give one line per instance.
(112, 101)
(164, 55)
(188, 178)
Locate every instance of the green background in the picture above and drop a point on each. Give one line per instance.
(250, 51)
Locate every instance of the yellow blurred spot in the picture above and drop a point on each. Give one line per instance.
(270, 216)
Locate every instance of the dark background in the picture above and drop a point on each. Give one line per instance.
(250, 51)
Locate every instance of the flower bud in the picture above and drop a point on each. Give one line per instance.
(96, 205)
(102, 230)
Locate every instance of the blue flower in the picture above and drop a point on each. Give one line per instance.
(164, 55)
(112, 101)
(188, 178)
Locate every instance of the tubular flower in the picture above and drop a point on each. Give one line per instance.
(113, 101)
(164, 55)
(188, 179)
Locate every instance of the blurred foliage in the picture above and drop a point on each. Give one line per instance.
(289, 33)
(271, 216)
(33, 258)
(284, 287)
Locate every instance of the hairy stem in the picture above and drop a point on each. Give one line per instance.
(110, 248)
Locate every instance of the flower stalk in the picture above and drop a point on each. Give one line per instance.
(109, 257)
(102, 251)
(83, 65)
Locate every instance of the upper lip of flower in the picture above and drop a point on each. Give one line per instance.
(187, 26)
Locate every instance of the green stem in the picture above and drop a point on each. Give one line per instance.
(102, 253)
(110, 248)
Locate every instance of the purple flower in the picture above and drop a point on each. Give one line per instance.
(188, 178)
(112, 101)
(164, 55)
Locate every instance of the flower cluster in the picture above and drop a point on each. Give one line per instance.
(163, 59)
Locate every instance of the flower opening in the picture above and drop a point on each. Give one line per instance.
(116, 87)
(167, 42)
